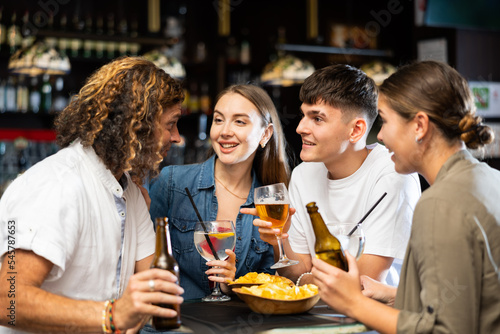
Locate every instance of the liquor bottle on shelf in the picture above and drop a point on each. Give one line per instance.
(89, 44)
(194, 99)
(205, 103)
(46, 95)
(201, 53)
(201, 143)
(60, 98)
(134, 28)
(3, 30)
(89, 24)
(245, 56)
(327, 247)
(34, 96)
(63, 42)
(173, 33)
(14, 34)
(27, 31)
(232, 51)
(100, 45)
(50, 22)
(123, 26)
(10, 95)
(110, 25)
(185, 104)
(22, 95)
(110, 31)
(99, 25)
(123, 45)
(2, 96)
(63, 22)
(78, 26)
(164, 259)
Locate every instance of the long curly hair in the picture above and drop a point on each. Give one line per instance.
(118, 111)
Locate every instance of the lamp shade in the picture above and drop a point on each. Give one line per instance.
(287, 70)
(169, 64)
(39, 58)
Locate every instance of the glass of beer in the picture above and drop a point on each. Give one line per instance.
(214, 237)
(272, 203)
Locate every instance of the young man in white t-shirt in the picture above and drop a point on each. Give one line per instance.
(345, 177)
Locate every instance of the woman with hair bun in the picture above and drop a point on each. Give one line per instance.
(450, 281)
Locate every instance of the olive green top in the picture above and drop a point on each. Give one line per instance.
(450, 281)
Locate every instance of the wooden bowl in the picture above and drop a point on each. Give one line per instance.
(276, 306)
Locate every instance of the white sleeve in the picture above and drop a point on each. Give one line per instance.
(388, 227)
(48, 225)
(298, 235)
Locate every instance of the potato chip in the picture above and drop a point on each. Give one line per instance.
(281, 291)
(253, 277)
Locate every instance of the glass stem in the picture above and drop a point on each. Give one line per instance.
(216, 291)
(280, 247)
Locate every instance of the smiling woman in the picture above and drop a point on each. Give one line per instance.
(237, 130)
(248, 150)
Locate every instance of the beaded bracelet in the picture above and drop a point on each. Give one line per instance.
(104, 313)
(111, 309)
(300, 277)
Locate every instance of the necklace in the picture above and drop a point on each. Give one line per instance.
(222, 184)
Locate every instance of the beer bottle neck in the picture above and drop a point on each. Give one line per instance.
(318, 225)
(162, 237)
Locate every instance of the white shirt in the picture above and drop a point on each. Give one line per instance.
(387, 228)
(63, 209)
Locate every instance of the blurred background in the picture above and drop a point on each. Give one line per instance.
(49, 47)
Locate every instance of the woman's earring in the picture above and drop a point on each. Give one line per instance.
(418, 141)
(263, 145)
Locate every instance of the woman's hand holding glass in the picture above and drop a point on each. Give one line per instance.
(267, 232)
(223, 271)
(215, 240)
(273, 203)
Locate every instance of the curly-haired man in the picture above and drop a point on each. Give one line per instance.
(76, 224)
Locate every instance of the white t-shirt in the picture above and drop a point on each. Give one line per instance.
(387, 228)
(64, 210)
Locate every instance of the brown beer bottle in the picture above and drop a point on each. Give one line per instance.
(164, 259)
(327, 247)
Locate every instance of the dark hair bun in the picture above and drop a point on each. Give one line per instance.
(475, 134)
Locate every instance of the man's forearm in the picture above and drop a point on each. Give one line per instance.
(40, 311)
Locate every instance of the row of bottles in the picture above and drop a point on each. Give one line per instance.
(93, 37)
(197, 100)
(25, 94)
(18, 155)
(92, 45)
(46, 94)
(238, 49)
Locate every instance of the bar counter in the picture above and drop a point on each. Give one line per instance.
(236, 317)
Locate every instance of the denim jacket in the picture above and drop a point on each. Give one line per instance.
(169, 199)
